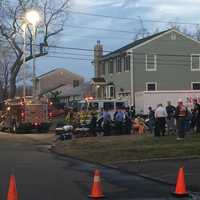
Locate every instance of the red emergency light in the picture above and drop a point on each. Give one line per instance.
(89, 98)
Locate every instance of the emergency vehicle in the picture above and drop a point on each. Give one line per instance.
(19, 115)
(96, 104)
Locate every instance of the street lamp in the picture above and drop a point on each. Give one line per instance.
(33, 18)
(24, 60)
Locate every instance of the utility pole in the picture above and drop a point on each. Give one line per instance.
(132, 78)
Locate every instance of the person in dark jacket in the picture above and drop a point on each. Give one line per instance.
(119, 119)
(92, 125)
(197, 115)
(128, 121)
(170, 120)
(106, 122)
(151, 119)
(181, 114)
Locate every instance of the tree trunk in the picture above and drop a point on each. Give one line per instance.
(12, 86)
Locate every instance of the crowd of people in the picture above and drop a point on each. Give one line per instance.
(161, 121)
(175, 120)
(104, 122)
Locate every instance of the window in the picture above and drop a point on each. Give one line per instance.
(123, 63)
(173, 36)
(127, 63)
(120, 105)
(151, 86)
(75, 83)
(110, 67)
(196, 86)
(195, 62)
(151, 62)
(108, 105)
(103, 68)
(118, 65)
(112, 92)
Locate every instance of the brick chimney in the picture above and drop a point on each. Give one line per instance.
(98, 53)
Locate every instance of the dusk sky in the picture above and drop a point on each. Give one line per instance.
(178, 10)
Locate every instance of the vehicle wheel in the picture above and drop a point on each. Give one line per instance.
(44, 128)
(14, 127)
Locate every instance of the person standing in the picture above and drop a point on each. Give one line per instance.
(181, 114)
(197, 115)
(151, 119)
(92, 124)
(160, 115)
(132, 111)
(170, 120)
(106, 122)
(128, 121)
(119, 119)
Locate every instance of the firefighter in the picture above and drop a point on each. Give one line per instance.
(82, 116)
(75, 118)
(69, 117)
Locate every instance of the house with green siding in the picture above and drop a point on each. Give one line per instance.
(169, 60)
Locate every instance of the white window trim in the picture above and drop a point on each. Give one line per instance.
(193, 83)
(147, 83)
(196, 69)
(155, 63)
(117, 66)
(109, 93)
(125, 70)
(109, 67)
(173, 36)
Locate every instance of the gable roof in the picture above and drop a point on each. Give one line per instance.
(57, 70)
(47, 73)
(52, 89)
(135, 43)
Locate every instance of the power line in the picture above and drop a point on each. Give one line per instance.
(112, 52)
(159, 60)
(137, 61)
(66, 53)
(71, 58)
(92, 37)
(131, 19)
(74, 48)
(100, 29)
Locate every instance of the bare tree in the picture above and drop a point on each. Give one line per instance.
(142, 32)
(5, 59)
(53, 15)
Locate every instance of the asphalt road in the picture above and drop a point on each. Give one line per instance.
(42, 175)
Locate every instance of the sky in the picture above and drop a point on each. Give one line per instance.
(140, 10)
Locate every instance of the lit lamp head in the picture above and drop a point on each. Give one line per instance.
(32, 17)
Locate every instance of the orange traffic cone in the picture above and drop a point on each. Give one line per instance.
(180, 184)
(12, 191)
(96, 187)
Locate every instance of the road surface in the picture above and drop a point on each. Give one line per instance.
(42, 175)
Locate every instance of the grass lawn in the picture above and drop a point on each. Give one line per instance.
(120, 148)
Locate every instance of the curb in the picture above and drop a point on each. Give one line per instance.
(158, 159)
(157, 180)
(113, 167)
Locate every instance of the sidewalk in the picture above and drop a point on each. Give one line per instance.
(167, 170)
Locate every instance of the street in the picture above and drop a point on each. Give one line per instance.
(43, 175)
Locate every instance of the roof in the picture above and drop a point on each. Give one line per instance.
(81, 90)
(135, 43)
(42, 75)
(53, 89)
(56, 70)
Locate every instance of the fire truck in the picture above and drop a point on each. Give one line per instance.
(24, 115)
